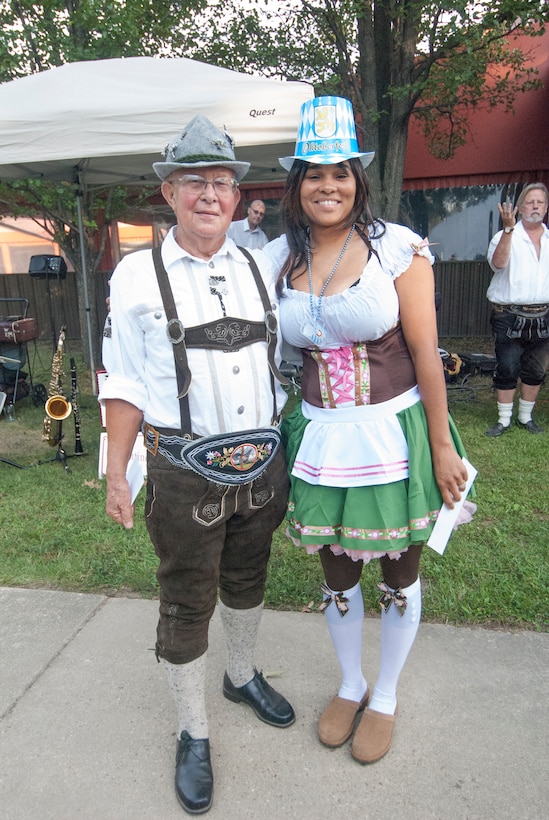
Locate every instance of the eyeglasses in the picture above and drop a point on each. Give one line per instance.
(257, 213)
(195, 184)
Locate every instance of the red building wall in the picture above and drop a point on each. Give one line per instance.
(502, 147)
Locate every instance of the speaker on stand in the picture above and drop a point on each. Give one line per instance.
(46, 267)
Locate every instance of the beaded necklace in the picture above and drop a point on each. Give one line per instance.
(318, 331)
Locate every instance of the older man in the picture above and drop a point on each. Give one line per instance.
(192, 356)
(246, 232)
(519, 292)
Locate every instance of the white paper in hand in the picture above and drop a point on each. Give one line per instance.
(134, 476)
(447, 517)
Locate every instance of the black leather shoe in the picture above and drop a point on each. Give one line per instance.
(269, 706)
(531, 426)
(193, 774)
(497, 429)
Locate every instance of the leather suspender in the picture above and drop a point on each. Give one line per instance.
(223, 334)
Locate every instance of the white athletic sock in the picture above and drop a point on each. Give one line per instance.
(505, 412)
(398, 633)
(241, 627)
(186, 681)
(525, 410)
(346, 635)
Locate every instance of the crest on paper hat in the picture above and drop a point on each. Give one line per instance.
(325, 120)
(326, 134)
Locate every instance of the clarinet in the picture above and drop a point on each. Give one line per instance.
(78, 449)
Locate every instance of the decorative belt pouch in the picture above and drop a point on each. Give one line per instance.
(230, 458)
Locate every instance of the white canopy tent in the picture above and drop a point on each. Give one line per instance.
(105, 122)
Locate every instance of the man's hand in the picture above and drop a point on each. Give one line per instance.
(508, 214)
(118, 502)
(123, 423)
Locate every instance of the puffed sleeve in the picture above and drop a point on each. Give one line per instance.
(397, 247)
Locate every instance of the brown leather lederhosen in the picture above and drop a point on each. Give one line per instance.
(208, 535)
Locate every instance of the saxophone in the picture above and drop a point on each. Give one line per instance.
(57, 407)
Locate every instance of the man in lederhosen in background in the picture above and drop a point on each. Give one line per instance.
(519, 292)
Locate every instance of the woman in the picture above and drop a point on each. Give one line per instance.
(371, 450)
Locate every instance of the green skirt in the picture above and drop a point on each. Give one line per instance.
(381, 518)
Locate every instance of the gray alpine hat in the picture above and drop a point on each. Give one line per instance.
(200, 145)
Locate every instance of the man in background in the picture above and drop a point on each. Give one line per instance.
(519, 292)
(246, 232)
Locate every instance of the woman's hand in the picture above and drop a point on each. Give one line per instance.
(450, 474)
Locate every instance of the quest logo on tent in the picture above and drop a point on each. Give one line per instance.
(256, 112)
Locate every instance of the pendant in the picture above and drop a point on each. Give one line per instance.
(317, 335)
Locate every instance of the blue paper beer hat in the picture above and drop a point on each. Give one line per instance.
(326, 134)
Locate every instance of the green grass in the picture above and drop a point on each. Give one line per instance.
(54, 532)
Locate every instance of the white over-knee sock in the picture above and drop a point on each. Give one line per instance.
(186, 681)
(525, 410)
(505, 412)
(346, 635)
(241, 627)
(398, 633)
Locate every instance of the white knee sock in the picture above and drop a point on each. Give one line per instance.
(525, 410)
(186, 681)
(346, 635)
(398, 633)
(505, 412)
(241, 627)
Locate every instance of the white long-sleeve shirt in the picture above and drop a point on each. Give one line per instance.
(525, 279)
(230, 391)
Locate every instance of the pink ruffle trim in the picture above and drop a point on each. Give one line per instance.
(465, 515)
(359, 555)
(354, 555)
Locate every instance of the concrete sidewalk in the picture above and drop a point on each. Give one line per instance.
(88, 726)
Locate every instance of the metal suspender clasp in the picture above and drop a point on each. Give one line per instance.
(271, 322)
(175, 331)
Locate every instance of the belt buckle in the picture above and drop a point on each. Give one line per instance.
(149, 429)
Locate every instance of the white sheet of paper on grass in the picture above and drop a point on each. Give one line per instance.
(447, 517)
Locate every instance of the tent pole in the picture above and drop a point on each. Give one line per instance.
(85, 283)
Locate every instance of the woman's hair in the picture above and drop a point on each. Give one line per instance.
(294, 222)
(533, 186)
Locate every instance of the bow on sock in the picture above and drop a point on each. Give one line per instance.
(338, 597)
(395, 597)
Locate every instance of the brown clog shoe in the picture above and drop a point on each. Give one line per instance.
(337, 721)
(373, 736)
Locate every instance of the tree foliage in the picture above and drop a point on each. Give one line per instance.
(53, 207)
(38, 36)
(393, 58)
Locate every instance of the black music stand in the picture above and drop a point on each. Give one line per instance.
(60, 454)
